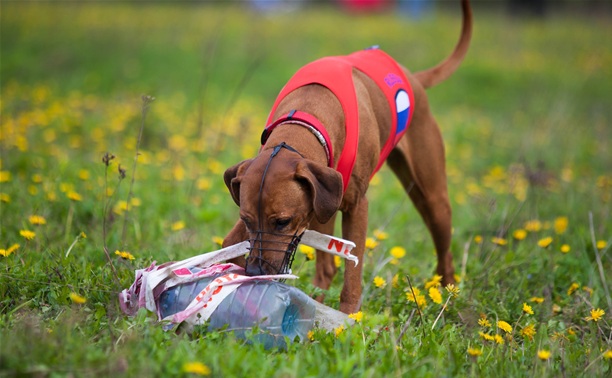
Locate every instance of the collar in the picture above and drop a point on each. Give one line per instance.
(308, 121)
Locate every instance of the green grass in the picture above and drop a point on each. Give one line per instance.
(526, 122)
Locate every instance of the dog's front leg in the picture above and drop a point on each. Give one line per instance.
(237, 234)
(354, 228)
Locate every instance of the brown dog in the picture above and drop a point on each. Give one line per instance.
(290, 187)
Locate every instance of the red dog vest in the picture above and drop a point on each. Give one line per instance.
(336, 74)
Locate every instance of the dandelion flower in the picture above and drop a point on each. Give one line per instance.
(217, 240)
(5, 198)
(5, 176)
(83, 235)
(527, 309)
(395, 281)
(416, 297)
(125, 255)
(543, 354)
(601, 244)
(533, 225)
(435, 295)
(398, 252)
(380, 235)
(478, 239)
(197, 368)
(504, 326)
(536, 299)
(358, 316)
(573, 287)
(486, 336)
(545, 242)
(371, 243)
(434, 282)
(177, 226)
(37, 220)
(379, 282)
(75, 298)
(498, 339)
(607, 354)
(452, 290)
(588, 290)
(474, 352)
(338, 330)
(310, 335)
(528, 331)
(596, 314)
(484, 322)
(74, 196)
(519, 234)
(27, 234)
(499, 241)
(565, 248)
(560, 225)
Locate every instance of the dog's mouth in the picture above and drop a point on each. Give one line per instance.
(271, 253)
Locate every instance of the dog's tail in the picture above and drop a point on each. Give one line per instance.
(445, 69)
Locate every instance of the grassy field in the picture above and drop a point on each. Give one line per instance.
(527, 125)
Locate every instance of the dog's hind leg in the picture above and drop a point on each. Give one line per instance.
(419, 162)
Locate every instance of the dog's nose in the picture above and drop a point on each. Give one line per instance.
(254, 270)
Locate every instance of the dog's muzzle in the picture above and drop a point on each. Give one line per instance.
(259, 265)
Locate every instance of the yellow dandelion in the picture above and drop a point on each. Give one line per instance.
(499, 241)
(177, 226)
(452, 290)
(486, 336)
(573, 287)
(5, 198)
(478, 239)
(310, 335)
(435, 295)
(5, 176)
(338, 330)
(543, 354)
(83, 235)
(358, 316)
(565, 248)
(434, 282)
(379, 282)
(197, 368)
(504, 326)
(536, 299)
(398, 252)
(125, 255)
(74, 196)
(533, 225)
(84, 174)
(37, 220)
(395, 281)
(596, 314)
(37, 178)
(519, 234)
(545, 242)
(218, 240)
(556, 308)
(135, 202)
(528, 331)
(498, 339)
(337, 261)
(527, 309)
(381, 235)
(75, 298)
(308, 251)
(560, 225)
(588, 290)
(607, 354)
(27, 234)
(484, 322)
(371, 243)
(416, 297)
(601, 244)
(474, 352)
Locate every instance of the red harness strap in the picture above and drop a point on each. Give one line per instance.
(336, 74)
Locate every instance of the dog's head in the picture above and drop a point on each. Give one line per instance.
(279, 193)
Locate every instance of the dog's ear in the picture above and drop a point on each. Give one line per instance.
(232, 178)
(325, 184)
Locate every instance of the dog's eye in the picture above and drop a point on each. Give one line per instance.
(282, 223)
